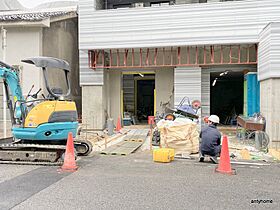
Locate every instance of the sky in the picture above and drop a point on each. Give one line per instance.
(34, 3)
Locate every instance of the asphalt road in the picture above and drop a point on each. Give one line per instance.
(136, 182)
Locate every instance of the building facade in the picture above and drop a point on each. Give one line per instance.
(136, 57)
(49, 32)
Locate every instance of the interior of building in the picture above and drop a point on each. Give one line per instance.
(227, 95)
(138, 96)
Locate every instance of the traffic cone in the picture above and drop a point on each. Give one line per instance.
(224, 163)
(69, 163)
(119, 126)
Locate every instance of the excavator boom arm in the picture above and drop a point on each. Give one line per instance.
(11, 81)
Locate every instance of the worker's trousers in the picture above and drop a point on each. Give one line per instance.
(214, 153)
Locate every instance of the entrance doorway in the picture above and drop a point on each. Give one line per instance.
(138, 97)
(145, 99)
(227, 95)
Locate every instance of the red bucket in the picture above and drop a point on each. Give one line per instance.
(151, 120)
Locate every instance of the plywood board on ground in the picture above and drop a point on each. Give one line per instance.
(138, 135)
(122, 148)
(108, 150)
(132, 141)
(125, 150)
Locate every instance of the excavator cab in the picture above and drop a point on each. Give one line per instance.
(46, 63)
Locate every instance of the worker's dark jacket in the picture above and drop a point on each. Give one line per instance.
(210, 140)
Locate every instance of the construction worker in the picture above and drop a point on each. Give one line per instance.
(210, 140)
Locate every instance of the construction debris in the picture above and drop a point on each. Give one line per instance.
(184, 156)
(241, 151)
(275, 153)
(245, 154)
(249, 163)
(107, 142)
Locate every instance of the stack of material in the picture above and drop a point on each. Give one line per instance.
(180, 135)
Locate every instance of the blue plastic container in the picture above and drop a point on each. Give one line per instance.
(253, 93)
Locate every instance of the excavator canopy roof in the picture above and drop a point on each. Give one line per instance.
(48, 62)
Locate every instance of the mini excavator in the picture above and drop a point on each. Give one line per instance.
(40, 126)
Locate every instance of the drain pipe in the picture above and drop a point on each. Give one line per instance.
(4, 47)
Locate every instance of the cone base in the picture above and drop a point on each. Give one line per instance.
(232, 172)
(64, 169)
(118, 129)
(119, 126)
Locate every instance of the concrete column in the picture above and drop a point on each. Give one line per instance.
(164, 84)
(270, 108)
(115, 94)
(269, 76)
(93, 109)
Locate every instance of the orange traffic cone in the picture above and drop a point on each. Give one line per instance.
(224, 163)
(69, 164)
(119, 126)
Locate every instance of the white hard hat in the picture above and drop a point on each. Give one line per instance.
(214, 119)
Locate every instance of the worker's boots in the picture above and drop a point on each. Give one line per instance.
(214, 159)
(201, 158)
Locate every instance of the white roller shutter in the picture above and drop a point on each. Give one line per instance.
(187, 82)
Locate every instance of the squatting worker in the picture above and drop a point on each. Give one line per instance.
(210, 140)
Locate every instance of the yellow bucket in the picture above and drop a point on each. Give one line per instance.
(163, 155)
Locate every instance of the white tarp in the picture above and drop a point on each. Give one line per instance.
(181, 135)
